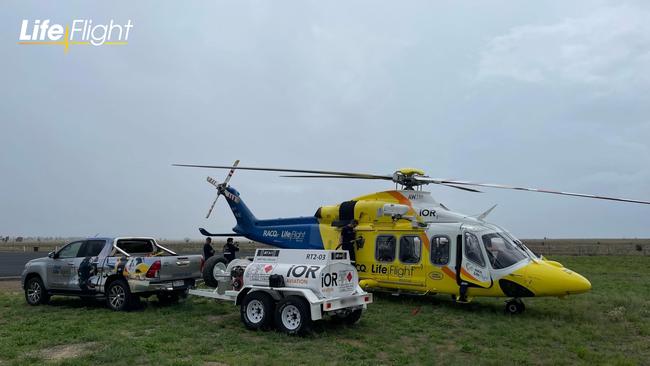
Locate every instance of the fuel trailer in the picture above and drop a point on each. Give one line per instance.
(290, 288)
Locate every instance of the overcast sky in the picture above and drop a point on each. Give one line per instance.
(541, 94)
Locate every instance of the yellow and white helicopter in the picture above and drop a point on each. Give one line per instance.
(408, 242)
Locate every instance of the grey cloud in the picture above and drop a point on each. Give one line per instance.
(608, 48)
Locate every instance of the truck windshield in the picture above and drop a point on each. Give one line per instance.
(501, 251)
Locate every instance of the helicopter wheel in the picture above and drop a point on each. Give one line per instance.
(515, 306)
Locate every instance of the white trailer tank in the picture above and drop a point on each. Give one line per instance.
(328, 274)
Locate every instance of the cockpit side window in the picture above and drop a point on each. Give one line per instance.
(440, 250)
(473, 249)
(385, 248)
(501, 252)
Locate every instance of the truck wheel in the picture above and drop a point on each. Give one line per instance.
(257, 310)
(35, 292)
(118, 296)
(351, 317)
(213, 267)
(292, 316)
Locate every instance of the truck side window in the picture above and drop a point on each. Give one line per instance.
(473, 249)
(91, 248)
(385, 248)
(70, 250)
(410, 249)
(440, 250)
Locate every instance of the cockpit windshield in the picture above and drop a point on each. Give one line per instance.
(501, 251)
(521, 245)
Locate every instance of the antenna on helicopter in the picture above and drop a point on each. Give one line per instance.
(219, 187)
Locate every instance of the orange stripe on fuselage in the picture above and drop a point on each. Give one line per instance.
(449, 272)
(465, 273)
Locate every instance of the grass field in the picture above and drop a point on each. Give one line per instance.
(610, 325)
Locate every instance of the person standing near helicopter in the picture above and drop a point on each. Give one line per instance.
(230, 249)
(348, 238)
(208, 251)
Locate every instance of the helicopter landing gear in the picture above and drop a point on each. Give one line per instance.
(514, 306)
(462, 294)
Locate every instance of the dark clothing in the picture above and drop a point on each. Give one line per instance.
(208, 251)
(229, 251)
(348, 238)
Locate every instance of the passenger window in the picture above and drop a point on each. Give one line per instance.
(385, 248)
(410, 249)
(71, 250)
(473, 249)
(91, 248)
(440, 250)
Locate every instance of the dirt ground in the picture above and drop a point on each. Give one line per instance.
(10, 286)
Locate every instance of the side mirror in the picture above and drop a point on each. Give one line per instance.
(50, 254)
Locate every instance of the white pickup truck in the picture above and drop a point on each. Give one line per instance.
(122, 270)
(290, 288)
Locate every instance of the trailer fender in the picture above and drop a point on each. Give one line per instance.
(241, 295)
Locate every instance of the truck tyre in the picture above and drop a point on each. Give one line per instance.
(350, 318)
(257, 310)
(292, 316)
(209, 270)
(35, 292)
(118, 295)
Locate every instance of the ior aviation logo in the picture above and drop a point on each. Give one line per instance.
(78, 32)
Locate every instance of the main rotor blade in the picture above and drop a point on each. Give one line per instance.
(332, 176)
(501, 186)
(371, 176)
(463, 188)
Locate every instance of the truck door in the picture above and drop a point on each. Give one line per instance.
(85, 265)
(473, 266)
(61, 267)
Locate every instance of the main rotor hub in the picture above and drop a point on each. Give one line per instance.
(407, 177)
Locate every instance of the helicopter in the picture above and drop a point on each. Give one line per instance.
(407, 242)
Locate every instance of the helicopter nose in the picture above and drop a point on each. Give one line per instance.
(552, 279)
(577, 284)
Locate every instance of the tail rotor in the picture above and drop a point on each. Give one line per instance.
(221, 186)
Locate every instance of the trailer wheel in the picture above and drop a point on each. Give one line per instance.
(292, 316)
(214, 266)
(350, 318)
(257, 310)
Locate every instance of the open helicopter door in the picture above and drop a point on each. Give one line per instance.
(473, 268)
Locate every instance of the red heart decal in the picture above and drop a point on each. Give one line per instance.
(268, 268)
